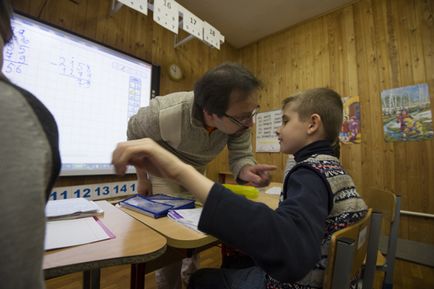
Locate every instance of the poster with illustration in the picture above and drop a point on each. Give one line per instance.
(407, 113)
(350, 131)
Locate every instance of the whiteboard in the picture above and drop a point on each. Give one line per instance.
(90, 89)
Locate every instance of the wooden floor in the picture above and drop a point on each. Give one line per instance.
(407, 275)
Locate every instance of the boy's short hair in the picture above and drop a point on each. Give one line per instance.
(213, 90)
(5, 21)
(326, 102)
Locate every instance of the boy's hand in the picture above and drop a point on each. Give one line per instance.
(257, 174)
(146, 156)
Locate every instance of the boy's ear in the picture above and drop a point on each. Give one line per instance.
(315, 123)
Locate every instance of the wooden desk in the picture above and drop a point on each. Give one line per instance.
(177, 235)
(134, 243)
(270, 200)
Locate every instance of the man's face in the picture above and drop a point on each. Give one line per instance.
(240, 114)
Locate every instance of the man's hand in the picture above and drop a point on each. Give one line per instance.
(257, 175)
(144, 185)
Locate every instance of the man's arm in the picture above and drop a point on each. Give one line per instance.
(141, 125)
(243, 164)
(240, 152)
(145, 123)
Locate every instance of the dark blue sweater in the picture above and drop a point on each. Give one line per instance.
(284, 242)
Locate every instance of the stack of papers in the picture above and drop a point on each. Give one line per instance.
(187, 217)
(71, 209)
(156, 205)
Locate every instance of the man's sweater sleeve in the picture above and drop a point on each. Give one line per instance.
(286, 242)
(146, 123)
(240, 152)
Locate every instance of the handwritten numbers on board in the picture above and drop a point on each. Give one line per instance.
(139, 5)
(166, 14)
(16, 51)
(191, 23)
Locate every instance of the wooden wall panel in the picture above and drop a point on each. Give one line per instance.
(133, 33)
(361, 49)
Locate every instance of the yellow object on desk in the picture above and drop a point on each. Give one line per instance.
(247, 191)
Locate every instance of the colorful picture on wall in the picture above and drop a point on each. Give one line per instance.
(350, 131)
(407, 113)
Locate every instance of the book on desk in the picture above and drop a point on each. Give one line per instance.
(71, 209)
(156, 206)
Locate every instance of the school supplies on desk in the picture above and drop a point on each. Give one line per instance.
(156, 206)
(71, 209)
(248, 191)
(187, 217)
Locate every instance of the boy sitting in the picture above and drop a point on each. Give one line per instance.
(289, 244)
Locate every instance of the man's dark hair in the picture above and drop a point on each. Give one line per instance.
(212, 92)
(5, 21)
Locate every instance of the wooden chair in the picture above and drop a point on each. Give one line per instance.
(387, 205)
(347, 250)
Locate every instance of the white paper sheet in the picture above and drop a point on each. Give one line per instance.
(67, 233)
(187, 217)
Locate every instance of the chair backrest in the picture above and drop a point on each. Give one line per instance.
(347, 250)
(388, 205)
(383, 201)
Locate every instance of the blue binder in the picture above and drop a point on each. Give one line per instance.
(156, 206)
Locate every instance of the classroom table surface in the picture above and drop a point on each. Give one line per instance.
(133, 243)
(179, 236)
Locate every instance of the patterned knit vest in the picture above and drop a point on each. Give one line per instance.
(345, 208)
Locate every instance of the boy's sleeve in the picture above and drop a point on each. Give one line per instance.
(240, 152)
(146, 123)
(285, 243)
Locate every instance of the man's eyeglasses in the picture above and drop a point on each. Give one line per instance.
(245, 121)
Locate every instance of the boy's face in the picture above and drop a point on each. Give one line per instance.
(293, 133)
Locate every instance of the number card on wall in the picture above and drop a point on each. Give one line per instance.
(166, 14)
(139, 5)
(95, 191)
(211, 35)
(191, 23)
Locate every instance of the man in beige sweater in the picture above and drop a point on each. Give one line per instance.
(196, 126)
